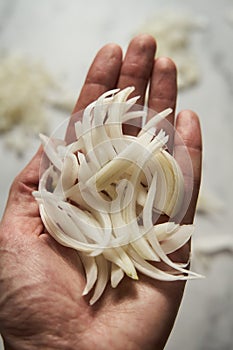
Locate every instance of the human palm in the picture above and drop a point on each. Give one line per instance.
(41, 282)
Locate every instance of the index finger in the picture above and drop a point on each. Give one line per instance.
(102, 76)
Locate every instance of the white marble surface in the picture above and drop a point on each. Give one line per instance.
(65, 35)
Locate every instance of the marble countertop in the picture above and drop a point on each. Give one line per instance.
(65, 37)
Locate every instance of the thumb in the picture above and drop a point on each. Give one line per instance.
(20, 200)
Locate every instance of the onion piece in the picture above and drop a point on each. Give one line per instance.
(117, 275)
(91, 271)
(102, 280)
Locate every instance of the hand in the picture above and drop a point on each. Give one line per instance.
(41, 282)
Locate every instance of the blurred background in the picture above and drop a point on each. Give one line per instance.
(46, 48)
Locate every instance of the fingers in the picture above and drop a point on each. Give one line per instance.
(107, 71)
(102, 76)
(188, 128)
(137, 65)
(163, 92)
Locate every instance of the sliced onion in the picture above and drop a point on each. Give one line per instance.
(101, 193)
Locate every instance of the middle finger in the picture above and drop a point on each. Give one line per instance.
(137, 65)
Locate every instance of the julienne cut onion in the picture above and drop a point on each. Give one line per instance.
(104, 193)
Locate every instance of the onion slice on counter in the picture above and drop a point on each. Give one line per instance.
(103, 194)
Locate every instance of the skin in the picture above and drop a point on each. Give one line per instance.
(41, 282)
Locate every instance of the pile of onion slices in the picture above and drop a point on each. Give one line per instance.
(104, 193)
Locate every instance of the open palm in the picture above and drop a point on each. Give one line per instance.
(41, 282)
